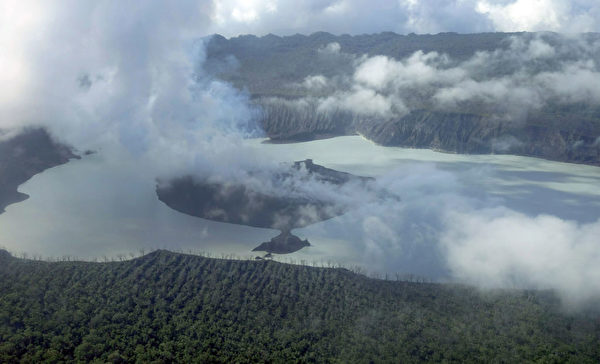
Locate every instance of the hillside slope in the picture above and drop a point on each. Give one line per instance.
(166, 307)
(294, 80)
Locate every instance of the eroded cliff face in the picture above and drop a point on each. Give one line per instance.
(275, 71)
(25, 155)
(551, 138)
(288, 122)
(476, 134)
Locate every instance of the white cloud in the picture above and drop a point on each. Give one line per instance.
(420, 69)
(331, 48)
(523, 15)
(536, 15)
(345, 16)
(361, 101)
(540, 49)
(379, 239)
(234, 17)
(506, 83)
(503, 248)
(576, 82)
(316, 83)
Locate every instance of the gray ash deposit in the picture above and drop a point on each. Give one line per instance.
(276, 204)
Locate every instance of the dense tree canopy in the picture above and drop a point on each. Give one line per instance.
(166, 307)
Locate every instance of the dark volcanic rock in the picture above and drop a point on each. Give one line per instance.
(283, 243)
(22, 157)
(239, 204)
(329, 175)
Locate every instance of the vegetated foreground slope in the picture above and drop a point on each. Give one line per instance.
(25, 155)
(168, 307)
(295, 80)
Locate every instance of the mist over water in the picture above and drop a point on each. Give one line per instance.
(443, 195)
(532, 216)
(98, 206)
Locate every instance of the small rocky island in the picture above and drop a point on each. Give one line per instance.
(239, 203)
(284, 243)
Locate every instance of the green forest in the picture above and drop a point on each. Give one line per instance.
(169, 307)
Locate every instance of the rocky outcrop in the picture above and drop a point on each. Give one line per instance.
(25, 155)
(284, 243)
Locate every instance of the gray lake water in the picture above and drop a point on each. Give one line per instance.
(92, 208)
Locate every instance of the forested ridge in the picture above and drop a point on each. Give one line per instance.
(165, 307)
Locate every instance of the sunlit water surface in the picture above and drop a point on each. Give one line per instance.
(92, 208)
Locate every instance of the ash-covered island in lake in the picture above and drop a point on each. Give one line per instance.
(294, 197)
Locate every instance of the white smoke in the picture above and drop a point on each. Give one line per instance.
(233, 17)
(503, 248)
(120, 75)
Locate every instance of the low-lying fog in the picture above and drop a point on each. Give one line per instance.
(491, 220)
